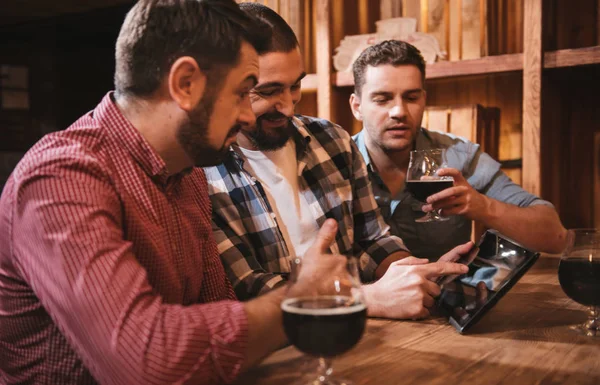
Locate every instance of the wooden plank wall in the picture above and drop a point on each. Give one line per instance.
(532, 94)
(596, 196)
(571, 120)
(298, 14)
(323, 52)
(390, 8)
(504, 26)
(570, 24)
(350, 17)
(471, 121)
(503, 91)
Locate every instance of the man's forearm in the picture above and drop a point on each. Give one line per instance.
(535, 227)
(265, 326)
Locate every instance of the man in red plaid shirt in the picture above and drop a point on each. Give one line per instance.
(109, 272)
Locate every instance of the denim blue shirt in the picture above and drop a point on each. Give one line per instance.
(433, 239)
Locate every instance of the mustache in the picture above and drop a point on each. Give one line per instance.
(273, 116)
(235, 129)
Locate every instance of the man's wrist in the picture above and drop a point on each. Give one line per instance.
(373, 307)
(488, 211)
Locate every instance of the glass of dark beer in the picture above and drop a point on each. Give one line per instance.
(327, 320)
(579, 275)
(422, 179)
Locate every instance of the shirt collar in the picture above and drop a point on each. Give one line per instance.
(301, 136)
(423, 142)
(359, 139)
(128, 137)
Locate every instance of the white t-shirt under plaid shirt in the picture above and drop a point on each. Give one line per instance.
(276, 171)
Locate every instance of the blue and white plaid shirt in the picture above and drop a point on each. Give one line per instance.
(334, 181)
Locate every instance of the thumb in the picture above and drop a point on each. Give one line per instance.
(326, 236)
(456, 253)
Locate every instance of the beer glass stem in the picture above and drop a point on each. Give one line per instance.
(432, 216)
(325, 370)
(436, 214)
(593, 323)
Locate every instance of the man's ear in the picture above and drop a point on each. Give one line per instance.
(186, 82)
(355, 106)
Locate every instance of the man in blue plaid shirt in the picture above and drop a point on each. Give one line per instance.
(287, 175)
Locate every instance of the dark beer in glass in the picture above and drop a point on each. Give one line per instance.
(422, 179)
(323, 326)
(579, 275)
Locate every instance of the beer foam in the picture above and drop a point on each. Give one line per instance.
(288, 306)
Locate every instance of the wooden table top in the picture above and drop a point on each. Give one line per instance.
(524, 339)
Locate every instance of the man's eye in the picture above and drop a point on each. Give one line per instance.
(267, 92)
(380, 100)
(295, 87)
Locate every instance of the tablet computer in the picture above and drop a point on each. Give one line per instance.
(499, 264)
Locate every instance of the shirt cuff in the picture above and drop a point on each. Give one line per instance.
(229, 339)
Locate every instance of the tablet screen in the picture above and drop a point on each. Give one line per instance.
(498, 266)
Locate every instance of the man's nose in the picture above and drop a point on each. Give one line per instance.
(285, 105)
(398, 111)
(247, 117)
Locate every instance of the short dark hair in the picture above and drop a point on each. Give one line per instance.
(156, 33)
(394, 52)
(283, 38)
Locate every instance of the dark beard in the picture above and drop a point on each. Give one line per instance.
(273, 140)
(192, 135)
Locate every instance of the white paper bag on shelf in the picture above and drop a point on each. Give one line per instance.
(350, 47)
(399, 28)
(427, 44)
(396, 28)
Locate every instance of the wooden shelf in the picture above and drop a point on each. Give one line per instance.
(309, 83)
(572, 57)
(486, 65)
(496, 64)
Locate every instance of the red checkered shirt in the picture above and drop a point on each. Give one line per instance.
(108, 265)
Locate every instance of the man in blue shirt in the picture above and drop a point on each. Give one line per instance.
(389, 98)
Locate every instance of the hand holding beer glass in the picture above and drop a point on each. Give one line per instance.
(324, 317)
(422, 179)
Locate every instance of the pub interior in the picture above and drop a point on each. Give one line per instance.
(518, 77)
